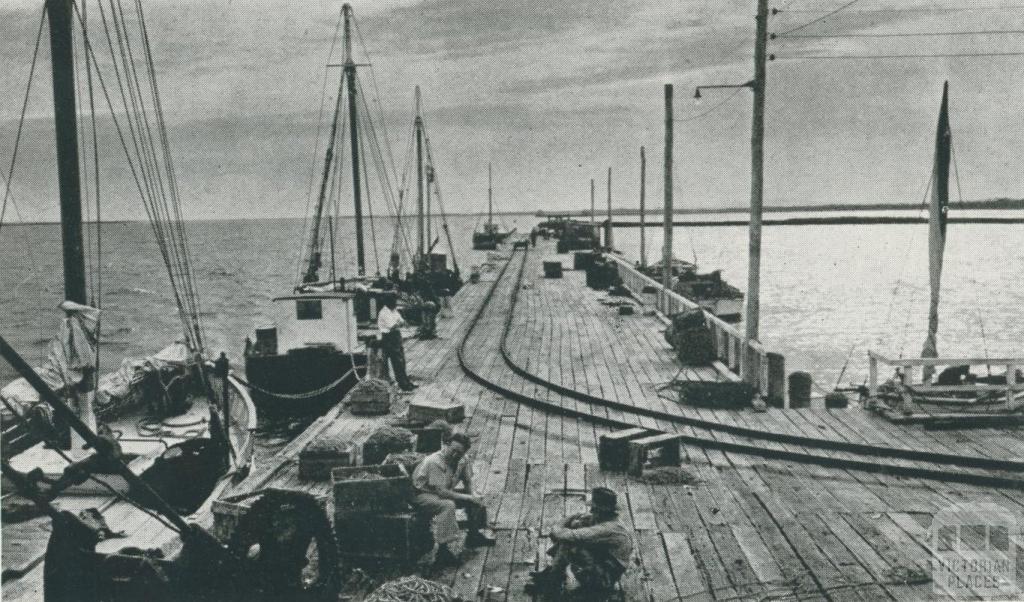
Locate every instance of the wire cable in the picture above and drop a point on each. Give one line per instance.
(912, 34)
(898, 56)
(21, 120)
(821, 18)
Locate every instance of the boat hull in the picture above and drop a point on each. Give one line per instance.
(301, 382)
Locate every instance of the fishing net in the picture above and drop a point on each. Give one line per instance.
(414, 589)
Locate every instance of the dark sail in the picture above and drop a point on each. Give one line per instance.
(937, 224)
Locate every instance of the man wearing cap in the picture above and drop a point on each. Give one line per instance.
(595, 545)
(389, 323)
(437, 479)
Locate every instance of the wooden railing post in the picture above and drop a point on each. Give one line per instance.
(1011, 385)
(872, 374)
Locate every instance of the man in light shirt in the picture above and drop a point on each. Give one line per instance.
(389, 323)
(444, 482)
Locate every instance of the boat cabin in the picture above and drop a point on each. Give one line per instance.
(313, 320)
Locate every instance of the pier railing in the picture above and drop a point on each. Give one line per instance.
(764, 370)
(1009, 391)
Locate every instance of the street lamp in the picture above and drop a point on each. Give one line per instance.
(749, 84)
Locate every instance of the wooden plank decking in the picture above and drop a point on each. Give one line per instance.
(744, 528)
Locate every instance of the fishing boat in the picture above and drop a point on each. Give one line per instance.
(708, 290)
(315, 350)
(162, 435)
(491, 235)
(955, 390)
(430, 278)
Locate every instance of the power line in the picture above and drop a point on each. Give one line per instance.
(821, 18)
(917, 34)
(709, 110)
(949, 9)
(897, 56)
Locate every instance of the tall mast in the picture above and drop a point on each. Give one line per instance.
(643, 190)
(350, 76)
(61, 43)
(418, 125)
(752, 315)
(937, 226)
(666, 252)
(490, 197)
(608, 235)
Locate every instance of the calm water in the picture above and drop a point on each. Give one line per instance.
(828, 292)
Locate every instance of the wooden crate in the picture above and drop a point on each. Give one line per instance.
(370, 397)
(400, 537)
(353, 493)
(429, 411)
(552, 269)
(428, 439)
(316, 461)
(613, 448)
(227, 513)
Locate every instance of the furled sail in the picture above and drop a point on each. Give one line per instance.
(939, 205)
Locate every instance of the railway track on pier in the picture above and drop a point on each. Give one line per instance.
(924, 464)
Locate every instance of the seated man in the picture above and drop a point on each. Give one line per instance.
(595, 545)
(436, 479)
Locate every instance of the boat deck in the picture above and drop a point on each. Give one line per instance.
(748, 525)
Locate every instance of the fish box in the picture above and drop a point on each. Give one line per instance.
(319, 457)
(370, 397)
(429, 411)
(552, 269)
(582, 260)
(227, 513)
(371, 488)
(428, 439)
(401, 537)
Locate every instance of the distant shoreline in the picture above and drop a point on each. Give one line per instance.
(987, 205)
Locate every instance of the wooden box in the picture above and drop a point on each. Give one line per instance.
(370, 397)
(318, 458)
(374, 451)
(227, 513)
(371, 488)
(552, 269)
(613, 448)
(401, 537)
(428, 439)
(429, 411)
(666, 445)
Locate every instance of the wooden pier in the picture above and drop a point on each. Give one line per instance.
(803, 504)
(747, 527)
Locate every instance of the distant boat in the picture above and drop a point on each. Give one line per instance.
(491, 235)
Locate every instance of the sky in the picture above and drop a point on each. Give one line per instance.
(553, 93)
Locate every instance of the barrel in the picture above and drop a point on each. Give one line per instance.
(800, 389)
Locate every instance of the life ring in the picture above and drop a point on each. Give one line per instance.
(279, 535)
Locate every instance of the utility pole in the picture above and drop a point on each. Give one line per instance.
(608, 233)
(593, 214)
(643, 234)
(751, 317)
(666, 253)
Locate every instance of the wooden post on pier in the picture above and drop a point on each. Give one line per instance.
(608, 242)
(643, 235)
(666, 253)
(751, 317)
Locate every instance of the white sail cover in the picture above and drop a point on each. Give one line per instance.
(69, 356)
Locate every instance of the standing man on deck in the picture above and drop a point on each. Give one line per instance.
(389, 323)
(595, 545)
(437, 480)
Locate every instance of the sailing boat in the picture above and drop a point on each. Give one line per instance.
(430, 278)
(955, 387)
(315, 351)
(491, 236)
(154, 436)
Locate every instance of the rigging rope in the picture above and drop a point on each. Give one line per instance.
(21, 119)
